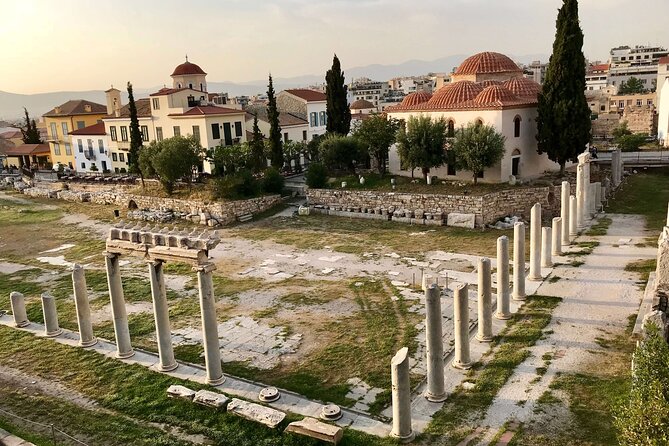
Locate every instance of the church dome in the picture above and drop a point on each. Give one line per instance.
(455, 93)
(361, 104)
(487, 63)
(523, 87)
(495, 95)
(415, 98)
(187, 68)
(489, 82)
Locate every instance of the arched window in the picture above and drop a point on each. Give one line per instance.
(179, 85)
(479, 121)
(201, 88)
(515, 162)
(190, 86)
(451, 128)
(516, 126)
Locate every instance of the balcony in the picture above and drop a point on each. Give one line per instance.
(89, 154)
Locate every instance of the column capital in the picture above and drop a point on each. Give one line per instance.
(110, 255)
(154, 262)
(205, 268)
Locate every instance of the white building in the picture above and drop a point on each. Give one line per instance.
(663, 118)
(369, 90)
(487, 88)
(662, 74)
(309, 105)
(640, 62)
(536, 71)
(597, 77)
(91, 149)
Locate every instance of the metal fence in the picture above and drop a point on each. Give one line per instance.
(50, 428)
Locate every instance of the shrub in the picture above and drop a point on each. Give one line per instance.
(272, 181)
(238, 186)
(317, 176)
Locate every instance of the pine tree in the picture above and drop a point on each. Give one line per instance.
(135, 136)
(258, 158)
(30, 133)
(563, 122)
(338, 113)
(276, 147)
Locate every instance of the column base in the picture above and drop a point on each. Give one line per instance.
(53, 334)
(90, 343)
(461, 365)
(404, 438)
(547, 265)
(125, 355)
(22, 324)
(216, 382)
(168, 368)
(535, 279)
(519, 298)
(484, 338)
(503, 316)
(436, 398)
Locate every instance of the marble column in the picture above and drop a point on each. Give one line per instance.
(162, 317)
(598, 196)
(535, 243)
(484, 333)
(519, 261)
(573, 210)
(546, 250)
(461, 327)
(556, 244)
(564, 212)
(615, 168)
(503, 311)
(212, 349)
(587, 189)
(18, 303)
(580, 196)
(51, 327)
(119, 314)
(434, 345)
(593, 198)
(401, 396)
(86, 337)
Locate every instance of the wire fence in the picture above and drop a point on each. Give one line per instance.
(54, 431)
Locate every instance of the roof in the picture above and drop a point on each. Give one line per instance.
(523, 87)
(143, 109)
(288, 119)
(187, 68)
(11, 134)
(361, 104)
(454, 93)
(165, 91)
(600, 67)
(307, 94)
(95, 129)
(28, 149)
(487, 62)
(209, 110)
(77, 107)
(664, 59)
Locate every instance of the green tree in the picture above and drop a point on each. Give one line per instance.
(275, 144)
(30, 133)
(643, 418)
(621, 130)
(477, 147)
(257, 158)
(563, 121)
(339, 152)
(626, 140)
(376, 134)
(229, 159)
(135, 137)
(632, 85)
(422, 144)
(170, 160)
(313, 147)
(317, 176)
(292, 151)
(338, 113)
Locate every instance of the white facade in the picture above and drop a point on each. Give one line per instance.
(663, 118)
(640, 62)
(662, 74)
(91, 153)
(317, 118)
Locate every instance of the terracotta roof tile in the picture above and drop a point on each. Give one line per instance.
(28, 149)
(487, 62)
(77, 107)
(361, 104)
(143, 109)
(664, 60)
(95, 129)
(187, 68)
(308, 95)
(204, 110)
(523, 87)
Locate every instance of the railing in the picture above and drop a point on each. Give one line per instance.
(89, 154)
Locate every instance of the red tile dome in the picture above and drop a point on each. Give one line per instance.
(361, 104)
(495, 95)
(523, 87)
(455, 93)
(415, 98)
(489, 82)
(487, 62)
(187, 68)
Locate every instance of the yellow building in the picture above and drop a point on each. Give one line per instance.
(70, 116)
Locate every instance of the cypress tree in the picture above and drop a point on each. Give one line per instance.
(275, 145)
(258, 158)
(29, 132)
(563, 122)
(135, 136)
(338, 113)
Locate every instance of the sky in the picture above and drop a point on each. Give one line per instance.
(49, 45)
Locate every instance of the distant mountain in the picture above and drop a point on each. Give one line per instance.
(11, 104)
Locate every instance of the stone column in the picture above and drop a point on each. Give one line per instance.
(503, 312)
(401, 396)
(119, 314)
(51, 327)
(535, 243)
(598, 196)
(484, 301)
(19, 309)
(434, 345)
(212, 351)
(587, 189)
(667, 214)
(580, 196)
(546, 250)
(162, 317)
(519, 261)
(592, 197)
(86, 337)
(573, 210)
(615, 168)
(564, 212)
(461, 327)
(557, 233)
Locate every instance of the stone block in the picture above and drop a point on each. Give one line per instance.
(256, 412)
(313, 428)
(180, 392)
(461, 220)
(211, 399)
(658, 318)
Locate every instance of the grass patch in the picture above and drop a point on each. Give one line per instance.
(634, 197)
(600, 227)
(554, 279)
(642, 267)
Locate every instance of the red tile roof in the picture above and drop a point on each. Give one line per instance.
(288, 119)
(11, 134)
(308, 95)
(165, 91)
(487, 62)
(454, 93)
(204, 110)
(143, 107)
(28, 149)
(664, 59)
(361, 104)
(523, 87)
(599, 67)
(95, 129)
(77, 107)
(187, 68)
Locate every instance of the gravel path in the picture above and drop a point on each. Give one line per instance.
(598, 296)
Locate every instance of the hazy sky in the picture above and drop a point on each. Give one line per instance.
(82, 44)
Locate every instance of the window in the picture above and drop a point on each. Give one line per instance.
(124, 133)
(101, 146)
(121, 157)
(112, 132)
(68, 149)
(81, 124)
(285, 136)
(215, 131)
(90, 145)
(649, 102)
(80, 145)
(313, 119)
(238, 129)
(516, 127)
(322, 118)
(116, 170)
(159, 133)
(639, 102)
(450, 163)
(451, 129)
(145, 133)
(201, 88)
(83, 165)
(177, 130)
(114, 157)
(304, 135)
(56, 149)
(54, 131)
(196, 132)
(621, 104)
(156, 103)
(64, 127)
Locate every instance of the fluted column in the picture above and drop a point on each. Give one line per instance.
(401, 396)
(461, 327)
(212, 352)
(519, 261)
(118, 310)
(503, 311)
(546, 250)
(86, 337)
(564, 212)
(162, 317)
(484, 333)
(434, 345)
(556, 244)
(573, 223)
(535, 243)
